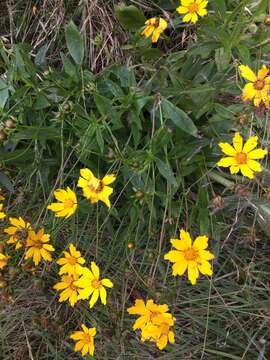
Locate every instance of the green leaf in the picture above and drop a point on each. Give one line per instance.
(3, 94)
(40, 59)
(179, 118)
(130, 17)
(75, 43)
(166, 172)
(5, 181)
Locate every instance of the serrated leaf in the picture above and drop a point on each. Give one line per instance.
(75, 43)
(178, 117)
(130, 17)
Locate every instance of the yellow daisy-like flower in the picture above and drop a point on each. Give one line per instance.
(38, 246)
(242, 157)
(259, 86)
(95, 189)
(3, 260)
(85, 340)
(72, 262)
(90, 284)
(192, 8)
(159, 331)
(147, 312)
(70, 290)
(67, 204)
(191, 257)
(154, 27)
(2, 214)
(18, 232)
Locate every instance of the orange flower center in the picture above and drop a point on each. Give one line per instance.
(38, 244)
(72, 286)
(21, 235)
(95, 185)
(72, 260)
(96, 283)
(86, 338)
(68, 203)
(241, 158)
(193, 8)
(191, 254)
(259, 84)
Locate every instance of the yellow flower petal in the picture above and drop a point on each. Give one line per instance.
(263, 72)
(201, 242)
(95, 270)
(86, 174)
(182, 9)
(108, 179)
(254, 165)
(248, 92)
(226, 162)
(187, 17)
(193, 273)
(174, 256)
(238, 142)
(94, 298)
(206, 268)
(246, 171)
(250, 144)
(179, 268)
(103, 295)
(234, 169)
(194, 18)
(247, 73)
(107, 283)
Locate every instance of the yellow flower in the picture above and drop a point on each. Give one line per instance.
(147, 312)
(191, 257)
(18, 232)
(38, 246)
(70, 290)
(258, 87)
(242, 157)
(1, 196)
(95, 189)
(159, 331)
(3, 260)
(192, 8)
(85, 340)
(72, 262)
(90, 284)
(67, 204)
(154, 27)
(2, 214)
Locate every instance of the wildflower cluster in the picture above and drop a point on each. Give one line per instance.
(154, 322)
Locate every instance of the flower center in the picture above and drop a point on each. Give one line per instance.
(259, 85)
(38, 244)
(156, 23)
(72, 260)
(68, 203)
(241, 158)
(86, 338)
(193, 8)
(95, 283)
(191, 254)
(72, 286)
(95, 185)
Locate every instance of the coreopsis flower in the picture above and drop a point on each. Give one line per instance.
(67, 204)
(147, 312)
(193, 9)
(72, 262)
(3, 260)
(95, 189)
(38, 246)
(259, 86)
(191, 257)
(154, 27)
(159, 331)
(18, 232)
(85, 340)
(90, 284)
(242, 157)
(2, 214)
(70, 290)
